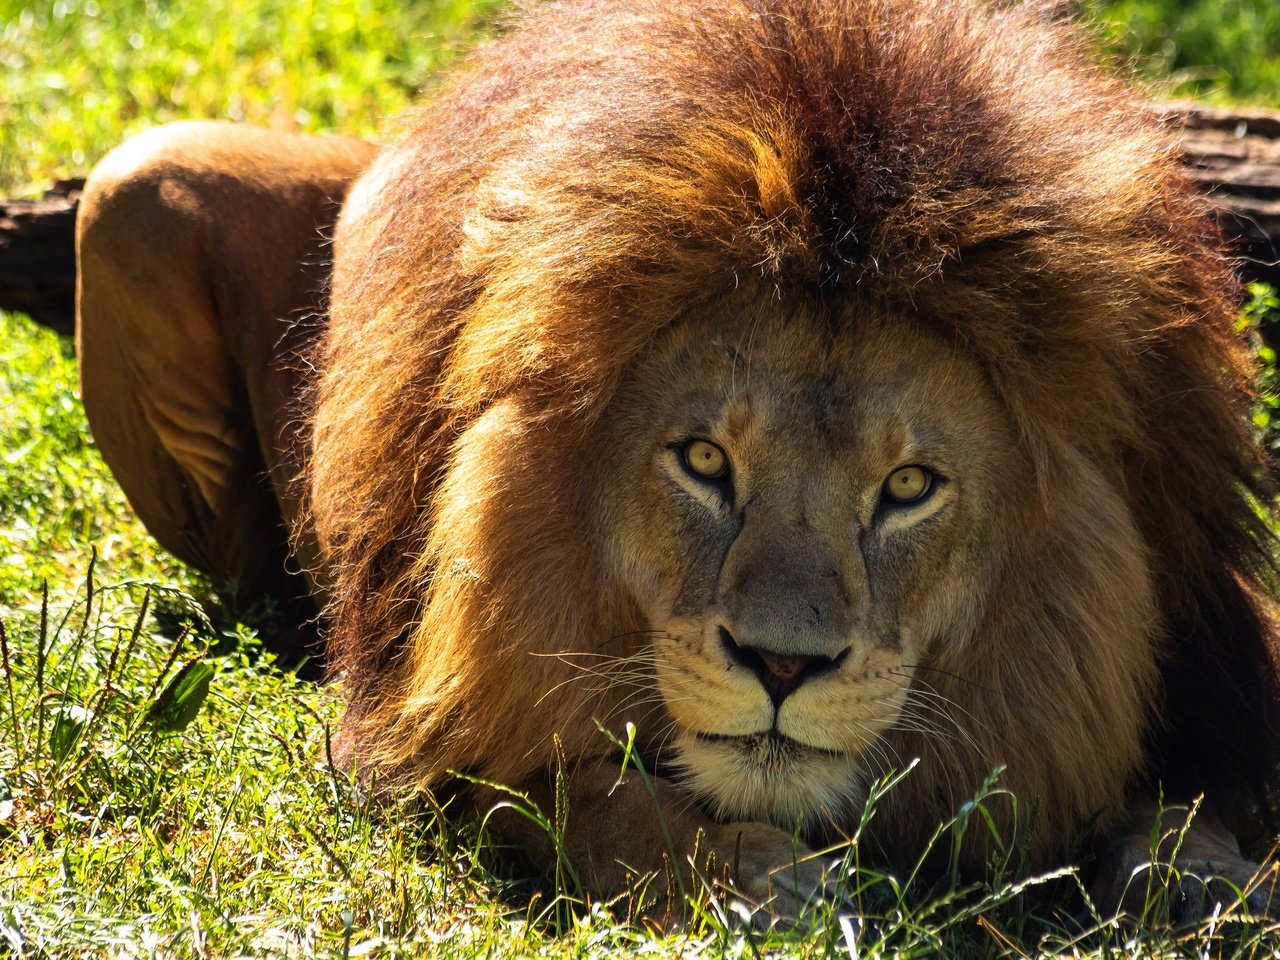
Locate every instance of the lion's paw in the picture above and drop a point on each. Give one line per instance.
(772, 878)
(1192, 889)
(1202, 886)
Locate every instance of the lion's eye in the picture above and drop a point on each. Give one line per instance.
(908, 484)
(705, 460)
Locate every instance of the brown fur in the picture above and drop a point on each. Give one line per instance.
(815, 233)
(607, 167)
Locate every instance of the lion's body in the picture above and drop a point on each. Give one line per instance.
(832, 240)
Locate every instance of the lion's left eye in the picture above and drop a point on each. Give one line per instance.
(908, 484)
(705, 460)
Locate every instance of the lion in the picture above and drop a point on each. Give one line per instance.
(797, 390)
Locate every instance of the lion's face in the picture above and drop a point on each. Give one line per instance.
(800, 517)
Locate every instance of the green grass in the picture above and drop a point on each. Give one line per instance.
(163, 787)
(77, 76)
(1220, 51)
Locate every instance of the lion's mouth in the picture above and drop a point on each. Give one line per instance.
(768, 747)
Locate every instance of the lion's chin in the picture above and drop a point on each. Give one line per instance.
(770, 777)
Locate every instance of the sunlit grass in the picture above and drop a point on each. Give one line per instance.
(77, 76)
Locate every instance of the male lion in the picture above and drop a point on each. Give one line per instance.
(815, 384)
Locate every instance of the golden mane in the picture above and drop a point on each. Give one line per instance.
(603, 168)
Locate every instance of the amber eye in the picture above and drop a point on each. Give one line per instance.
(908, 484)
(705, 460)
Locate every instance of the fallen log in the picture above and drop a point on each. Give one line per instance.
(1234, 154)
(38, 256)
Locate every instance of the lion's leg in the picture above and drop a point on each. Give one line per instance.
(1203, 852)
(619, 832)
(201, 253)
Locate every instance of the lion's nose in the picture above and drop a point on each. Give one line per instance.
(780, 674)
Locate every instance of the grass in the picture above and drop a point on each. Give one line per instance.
(1219, 51)
(163, 786)
(77, 76)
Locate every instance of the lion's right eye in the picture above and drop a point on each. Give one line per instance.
(704, 460)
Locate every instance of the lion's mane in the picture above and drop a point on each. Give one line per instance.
(607, 165)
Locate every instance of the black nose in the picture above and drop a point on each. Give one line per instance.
(779, 673)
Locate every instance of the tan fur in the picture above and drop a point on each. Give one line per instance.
(808, 487)
(200, 252)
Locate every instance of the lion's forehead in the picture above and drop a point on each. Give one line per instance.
(791, 392)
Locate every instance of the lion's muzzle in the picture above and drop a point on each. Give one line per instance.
(779, 674)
